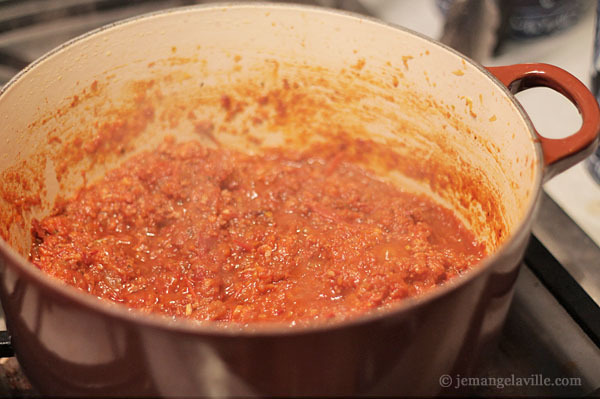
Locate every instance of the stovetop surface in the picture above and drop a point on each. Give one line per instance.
(552, 330)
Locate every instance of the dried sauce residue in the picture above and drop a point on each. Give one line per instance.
(359, 64)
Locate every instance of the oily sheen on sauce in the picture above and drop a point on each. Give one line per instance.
(214, 234)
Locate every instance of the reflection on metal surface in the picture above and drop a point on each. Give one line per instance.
(565, 289)
(204, 368)
(471, 27)
(541, 338)
(579, 255)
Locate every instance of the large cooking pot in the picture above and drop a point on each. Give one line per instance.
(260, 75)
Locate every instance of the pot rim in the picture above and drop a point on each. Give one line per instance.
(121, 312)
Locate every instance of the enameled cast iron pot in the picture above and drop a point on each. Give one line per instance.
(249, 76)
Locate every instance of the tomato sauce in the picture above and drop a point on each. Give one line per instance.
(215, 234)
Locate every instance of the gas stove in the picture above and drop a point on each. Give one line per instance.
(551, 341)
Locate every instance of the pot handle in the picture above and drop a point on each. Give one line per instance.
(559, 154)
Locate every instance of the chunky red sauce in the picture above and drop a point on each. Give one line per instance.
(218, 235)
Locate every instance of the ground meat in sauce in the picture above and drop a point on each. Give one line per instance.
(212, 234)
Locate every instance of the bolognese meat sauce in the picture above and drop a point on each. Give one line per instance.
(214, 234)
